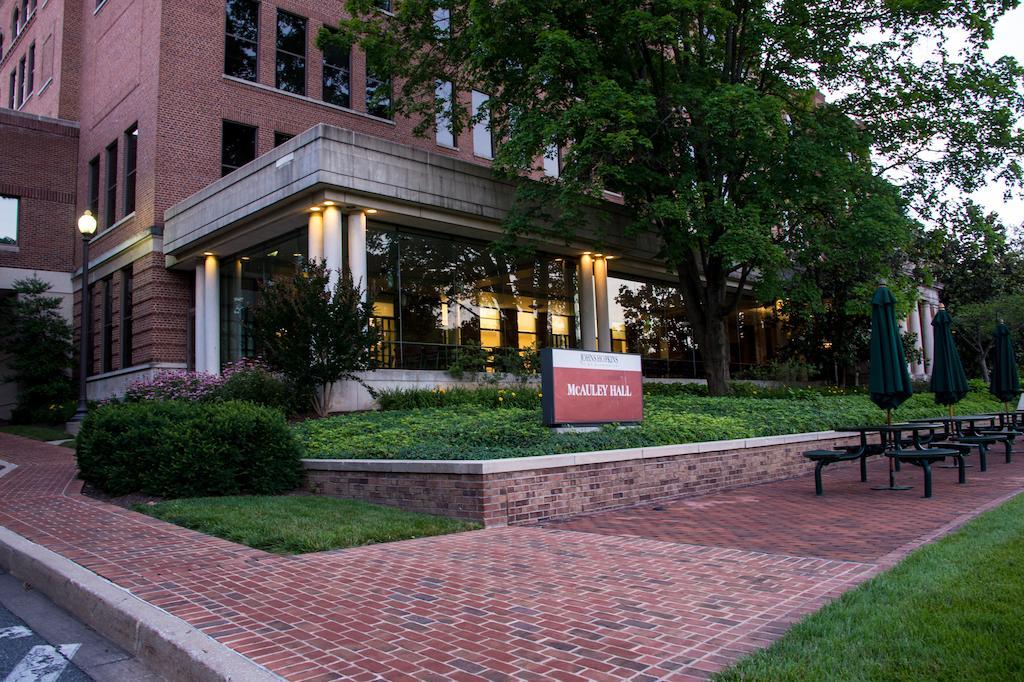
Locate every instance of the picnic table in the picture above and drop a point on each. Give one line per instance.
(979, 431)
(893, 446)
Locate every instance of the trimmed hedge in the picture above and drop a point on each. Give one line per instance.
(183, 449)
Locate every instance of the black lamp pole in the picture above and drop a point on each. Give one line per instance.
(83, 352)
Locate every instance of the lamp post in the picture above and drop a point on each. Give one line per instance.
(87, 227)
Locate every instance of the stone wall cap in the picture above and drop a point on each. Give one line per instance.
(513, 464)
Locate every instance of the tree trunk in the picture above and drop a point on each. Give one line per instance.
(707, 312)
(715, 351)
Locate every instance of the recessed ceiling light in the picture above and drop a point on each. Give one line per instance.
(328, 203)
(371, 210)
(272, 253)
(207, 253)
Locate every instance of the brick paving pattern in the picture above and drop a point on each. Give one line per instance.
(672, 591)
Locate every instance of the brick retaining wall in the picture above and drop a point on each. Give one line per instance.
(521, 490)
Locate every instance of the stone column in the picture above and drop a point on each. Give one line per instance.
(604, 330)
(332, 243)
(587, 328)
(917, 368)
(315, 237)
(200, 322)
(928, 337)
(211, 314)
(357, 250)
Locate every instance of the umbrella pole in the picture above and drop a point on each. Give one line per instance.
(892, 462)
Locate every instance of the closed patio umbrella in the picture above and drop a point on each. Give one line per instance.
(949, 381)
(889, 378)
(1005, 383)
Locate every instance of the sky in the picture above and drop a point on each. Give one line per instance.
(1009, 40)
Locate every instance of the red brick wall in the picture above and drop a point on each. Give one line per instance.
(56, 56)
(526, 496)
(38, 160)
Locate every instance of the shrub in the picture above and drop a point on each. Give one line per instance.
(176, 448)
(38, 340)
(253, 382)
(175, 385)
(405, 399)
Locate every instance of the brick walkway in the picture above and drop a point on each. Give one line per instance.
(669, 593)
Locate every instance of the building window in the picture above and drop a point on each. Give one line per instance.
(131, 162)
(443, 128)
(378, 95)
(337, 76)
(8, 220)
(12, 93)
(280, 138)
(443, 21)
(110, 201)
(291, 52)
(15, 24)
(21, 81)
(1, 44)
(483, 142)
(238, 146)
(242, 29)
(107, 330)
(30, 82)
(552, 161)
(127, 313)
(94, 186)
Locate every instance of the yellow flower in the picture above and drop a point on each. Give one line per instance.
(513, 394)
(500, 399)
(539, 394)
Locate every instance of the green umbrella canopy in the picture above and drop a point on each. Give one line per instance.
(1005, 383)
(889, 379)
(949, 381)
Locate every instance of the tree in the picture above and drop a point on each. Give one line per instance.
(847, 241)
(41, 352)
(313, 333)
(975, 322)
(704, 114)
(974, 258)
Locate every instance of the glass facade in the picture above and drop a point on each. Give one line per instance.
(241, 277)
(650, 319)
(430, 294)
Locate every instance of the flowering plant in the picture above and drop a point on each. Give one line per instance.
(175, 385)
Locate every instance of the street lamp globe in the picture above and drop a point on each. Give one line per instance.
(87, 224)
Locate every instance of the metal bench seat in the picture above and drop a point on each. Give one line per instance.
(923, 459)
(822, 458)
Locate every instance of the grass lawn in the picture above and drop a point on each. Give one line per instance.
(293, 524)
(36, 431)
(469, 431)
(951, 611)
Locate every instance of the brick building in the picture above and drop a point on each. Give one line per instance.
(216, 145)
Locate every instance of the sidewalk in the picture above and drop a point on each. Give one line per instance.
(670, 591)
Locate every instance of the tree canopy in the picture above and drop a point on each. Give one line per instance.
(706, 117)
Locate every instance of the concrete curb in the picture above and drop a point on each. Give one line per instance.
(168, 645)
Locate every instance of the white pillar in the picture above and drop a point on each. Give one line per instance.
(915, 328)
(357, 250)
(927, 315)
(200, 323)
(587, 326)
(604, 330)
(315, 237)
(211, 315)
(332, 243)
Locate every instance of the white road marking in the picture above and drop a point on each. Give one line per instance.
(15, 632)
(43, 663)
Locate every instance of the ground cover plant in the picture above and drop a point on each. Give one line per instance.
(293, 524)
(470, 428)
(950, 611)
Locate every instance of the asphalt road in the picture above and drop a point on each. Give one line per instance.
(40, 642)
